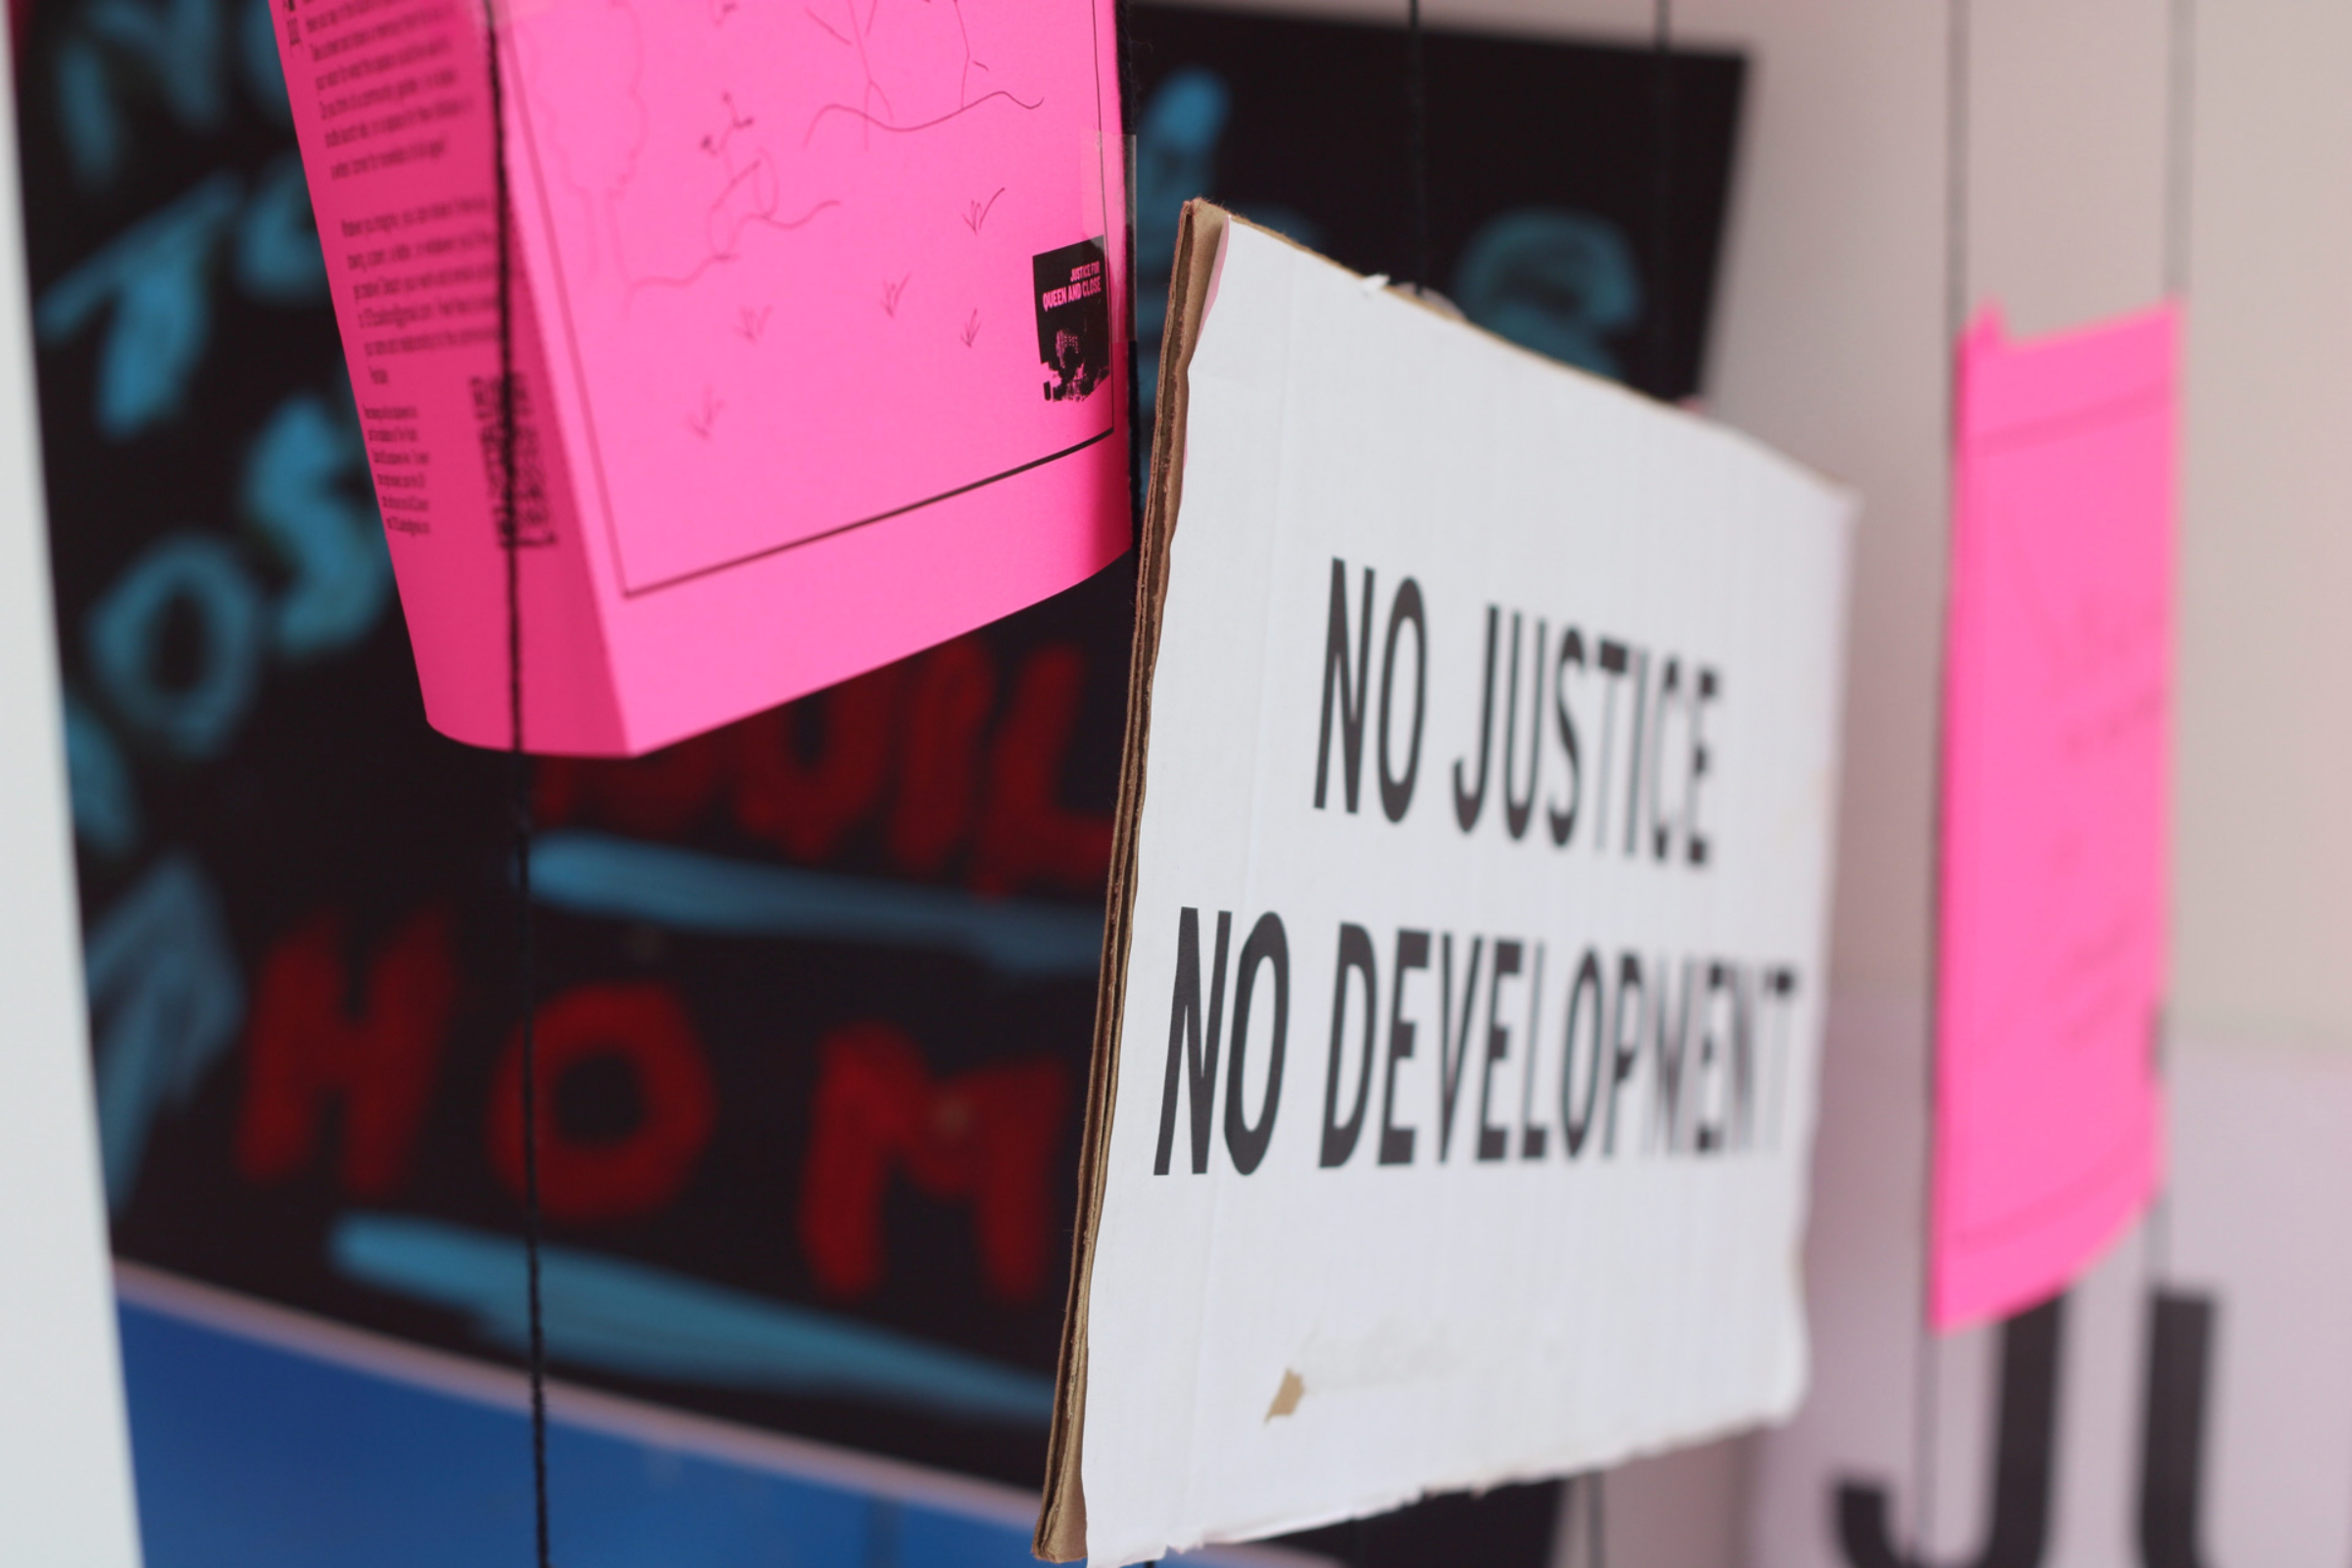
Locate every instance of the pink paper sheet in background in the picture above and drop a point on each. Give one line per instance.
(814, 334)
(2058, 701)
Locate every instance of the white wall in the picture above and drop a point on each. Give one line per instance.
(65, 1460)
(2262, 844)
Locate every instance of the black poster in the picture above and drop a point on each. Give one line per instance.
(1576, 193)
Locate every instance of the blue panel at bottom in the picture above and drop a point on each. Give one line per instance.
(255, 1457)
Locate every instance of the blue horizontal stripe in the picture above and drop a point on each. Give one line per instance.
(691, 890)
(620, 1317)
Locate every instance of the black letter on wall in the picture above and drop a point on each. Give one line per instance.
(2022, 1460)
(2171, 1455)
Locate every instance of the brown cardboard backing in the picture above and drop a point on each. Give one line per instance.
(1062, 1524)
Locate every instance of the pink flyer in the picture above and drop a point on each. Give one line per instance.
(2058, 705)
(814, 315)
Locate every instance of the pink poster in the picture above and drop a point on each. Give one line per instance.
(814, 315)
(2057, 724)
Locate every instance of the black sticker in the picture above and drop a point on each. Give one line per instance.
(1073, 320)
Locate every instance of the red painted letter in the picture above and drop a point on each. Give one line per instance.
(304, 1045)
(644, 1027)
(955, 687)
(805, 806)
(1025, 834)
(988, 1136)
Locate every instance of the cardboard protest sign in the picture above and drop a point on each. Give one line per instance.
(1464, 968)
(814, 318)
(2058, 699)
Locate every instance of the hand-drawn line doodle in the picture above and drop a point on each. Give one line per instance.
(874, 124)
(751, 195)
(964, 84)
(751, 325)
(720, 258)
(600, 135)
(888, 121)
(715, 142)
(891, 293)
(834, 31)
(971, 328)
(975, 214)
(700, 420)
(865, 60)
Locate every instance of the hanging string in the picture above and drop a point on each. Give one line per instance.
(2179, 103)
(519, 785)
(1927, 1364)
(1955, 184)
(1416, 143)
(1661, 201)
(2180, 151)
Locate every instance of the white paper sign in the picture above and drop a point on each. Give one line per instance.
(1453, 1128)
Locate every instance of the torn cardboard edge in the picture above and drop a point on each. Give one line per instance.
(1199, 244)
(1199, 241)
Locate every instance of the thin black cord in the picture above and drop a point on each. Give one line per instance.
(1416, 149)
(1955, 175)
(1661, 201)
(518, 768)
(2179, 103)
(2180, 120)
(1927, 1369)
